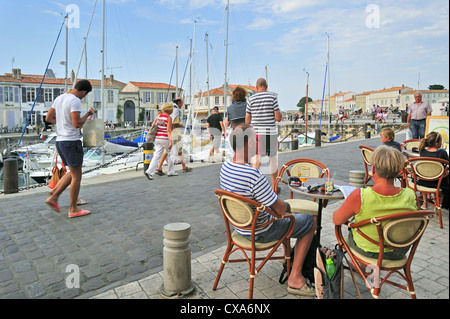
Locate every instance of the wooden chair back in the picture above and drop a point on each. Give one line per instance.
(395, 231)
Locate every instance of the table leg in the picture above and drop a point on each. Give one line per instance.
(319, 219)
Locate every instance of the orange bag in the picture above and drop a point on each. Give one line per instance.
(57, 173)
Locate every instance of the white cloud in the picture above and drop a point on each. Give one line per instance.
(261, 24)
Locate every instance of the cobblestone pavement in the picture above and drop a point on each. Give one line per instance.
(118, 247)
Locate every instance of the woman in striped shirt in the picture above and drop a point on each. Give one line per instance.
(163, 141)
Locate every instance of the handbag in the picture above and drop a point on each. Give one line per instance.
(93, 133)
(151, 135)
(57, 173)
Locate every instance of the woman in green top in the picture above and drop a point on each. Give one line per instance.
(383, 198)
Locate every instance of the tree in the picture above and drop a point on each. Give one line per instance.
(436, 87)
(119, 114)
(302, 102)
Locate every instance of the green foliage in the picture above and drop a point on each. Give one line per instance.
(302, 102)
(436, 87)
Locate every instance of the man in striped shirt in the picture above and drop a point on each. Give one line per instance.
(239, 177)
(262, 112)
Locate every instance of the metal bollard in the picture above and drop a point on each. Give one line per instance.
(177, 260)
(357, 178)
(148, 155)
(10, 176)
(368, 130)
(318, 138)
(294, 141)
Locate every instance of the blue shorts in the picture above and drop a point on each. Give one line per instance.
(71, 152)
(303, 224)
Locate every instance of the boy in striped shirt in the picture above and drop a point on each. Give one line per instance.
(239, 177)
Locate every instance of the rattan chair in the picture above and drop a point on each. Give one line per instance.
(396, 231)
(367, 152)
(427, 169)
(408, 145)
(317, 170)
(239, 211)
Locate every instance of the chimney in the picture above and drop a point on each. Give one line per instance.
(111, 78)
(17, 74)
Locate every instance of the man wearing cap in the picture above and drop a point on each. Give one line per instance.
(417, 116)
(215, 128)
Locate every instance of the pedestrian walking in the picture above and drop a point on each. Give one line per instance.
(65, 114)
(163, 141)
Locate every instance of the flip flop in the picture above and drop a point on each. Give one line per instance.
(81, 202)
(54, 206)
(80, 213)
(303, 291)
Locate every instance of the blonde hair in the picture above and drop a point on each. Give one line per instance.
(167, 107)
(388, 132)
(387, 161)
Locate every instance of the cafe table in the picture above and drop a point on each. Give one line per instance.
(320, 195)
(410, 153)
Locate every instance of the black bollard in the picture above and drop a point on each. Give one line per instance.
(367, 129)
(10, 176)
(294, 142)
(148, 155)
(318, 138)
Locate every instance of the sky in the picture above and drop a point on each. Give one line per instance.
(372, 44)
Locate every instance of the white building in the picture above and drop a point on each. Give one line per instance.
(18, 92)
(216, 98)
(145, 96)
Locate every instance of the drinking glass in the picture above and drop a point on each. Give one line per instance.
(303, 174)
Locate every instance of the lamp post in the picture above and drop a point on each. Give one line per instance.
(306, 108)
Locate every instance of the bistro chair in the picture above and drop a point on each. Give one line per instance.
(243, 212)
(427, 169)
(291, 168)
(408, 145)
(367, 152)
(395, 231)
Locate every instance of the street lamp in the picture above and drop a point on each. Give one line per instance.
(306, 108)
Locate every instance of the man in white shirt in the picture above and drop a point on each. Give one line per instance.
(65, 113)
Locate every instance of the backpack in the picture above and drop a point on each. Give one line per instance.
(327, 288)
(308, 265)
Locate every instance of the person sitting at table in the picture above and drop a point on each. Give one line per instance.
(382, 199)
(387, 137)
(238, 176)
(430, 146)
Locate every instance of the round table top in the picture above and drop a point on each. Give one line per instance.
(319, 193)
(410, 153)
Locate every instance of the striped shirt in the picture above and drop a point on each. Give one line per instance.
(262, 106)
(249, 182)
(161, 121)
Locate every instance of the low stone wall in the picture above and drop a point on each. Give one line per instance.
(346, 131)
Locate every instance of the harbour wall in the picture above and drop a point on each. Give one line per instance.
(346, 131)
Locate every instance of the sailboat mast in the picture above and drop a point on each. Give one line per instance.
(225, 85)
(176, 62)
(207, 74)
(102, 95)
(67, 54)
(329, 101)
